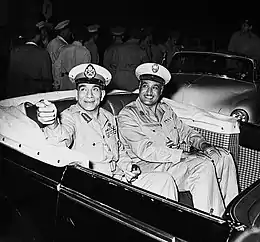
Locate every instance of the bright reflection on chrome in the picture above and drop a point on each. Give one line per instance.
(241, 115)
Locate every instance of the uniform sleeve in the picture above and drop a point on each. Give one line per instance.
(47, 71)
(56, 71)
(113, 64)
(125, 160)
(144, 56)
(188, 134)
(135, 140)
(87, 56)
(64, 133)
(50, 51)
(106, 59)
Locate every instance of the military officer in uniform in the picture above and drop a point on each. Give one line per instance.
(70, 56)
(64, 36)
(29, 67)
(45, 29)
(92, 130)
(245, 41)
(153, 132)
(91, 42)
(125, 58)
(117, 35)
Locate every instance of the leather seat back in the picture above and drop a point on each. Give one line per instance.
(112, 103)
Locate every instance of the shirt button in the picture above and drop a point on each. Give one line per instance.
(103, 136)
(94, 144)
(153, 130)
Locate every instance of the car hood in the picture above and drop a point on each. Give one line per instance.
(217, 94)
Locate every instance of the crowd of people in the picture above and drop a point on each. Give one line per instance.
(42, 57)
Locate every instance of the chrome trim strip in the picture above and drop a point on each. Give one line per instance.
(215, 53)
(152, 196)
(211, 75)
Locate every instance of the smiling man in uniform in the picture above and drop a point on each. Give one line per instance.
(152, 131)
(90, 129)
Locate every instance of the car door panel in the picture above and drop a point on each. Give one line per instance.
(94, 205)
(31, 187)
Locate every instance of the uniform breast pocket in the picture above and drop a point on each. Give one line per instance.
(155, 134)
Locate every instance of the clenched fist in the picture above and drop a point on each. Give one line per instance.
(46, 112)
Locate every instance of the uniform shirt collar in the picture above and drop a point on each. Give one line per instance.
(101, 116)
(77, 43)
(59, 37)
(31, 43)
(144, 110)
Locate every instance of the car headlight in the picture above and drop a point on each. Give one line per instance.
(241, 115)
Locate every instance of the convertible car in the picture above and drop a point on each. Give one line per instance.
(225, 83)
(49, 193)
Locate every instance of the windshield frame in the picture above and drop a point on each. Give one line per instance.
(251, 61)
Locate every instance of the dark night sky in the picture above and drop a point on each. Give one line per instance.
(188, 15)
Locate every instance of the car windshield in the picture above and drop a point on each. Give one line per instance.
(213, 64)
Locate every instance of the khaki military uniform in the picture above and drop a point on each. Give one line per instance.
(108, 57)
(69, 57)
(98, 139)
(92, 47)
(146, 136)
(124, 59)
(54, 47)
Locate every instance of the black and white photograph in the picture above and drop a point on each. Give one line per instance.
(129, 121)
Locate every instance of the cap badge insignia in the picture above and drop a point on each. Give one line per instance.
(155, 68)
(90, 71)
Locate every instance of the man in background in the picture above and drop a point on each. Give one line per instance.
(64, 37)
(70, 56)
(29, 66)
(117, 39)
(91, 42)
(245, 41)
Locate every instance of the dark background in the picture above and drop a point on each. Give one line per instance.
(211, 21)
(187, 15)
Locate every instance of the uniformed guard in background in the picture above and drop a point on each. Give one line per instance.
(245, 41)
(117, 39)
(64, 36)
(70, 56)
(126, 57)
(91, 44)
(45, 29)
(29, 67)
